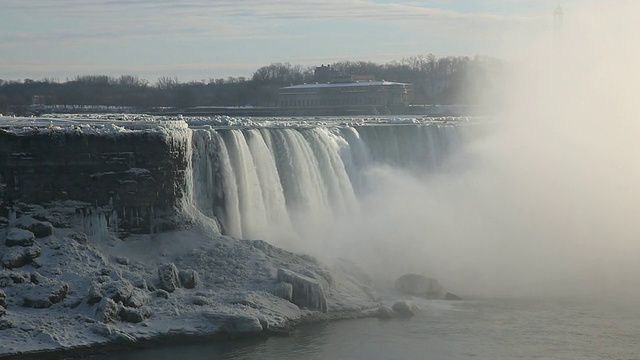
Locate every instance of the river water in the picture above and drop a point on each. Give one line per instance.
(470, 329)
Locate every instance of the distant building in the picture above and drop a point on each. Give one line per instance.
(345, 94)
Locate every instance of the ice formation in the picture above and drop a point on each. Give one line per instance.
(244, 179)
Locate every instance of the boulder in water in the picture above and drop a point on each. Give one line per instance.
(405, 308)
(450, 296)
(385, 312)
(419, 285)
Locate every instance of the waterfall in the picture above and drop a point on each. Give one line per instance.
(274, 183)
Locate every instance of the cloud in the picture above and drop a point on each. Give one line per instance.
(162, 31)
(100, 18)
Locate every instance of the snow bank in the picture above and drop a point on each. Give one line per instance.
(114, 124)
(85, 290)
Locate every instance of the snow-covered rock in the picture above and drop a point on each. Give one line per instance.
(106, 311)
(19, 237)
(16, 257)
(235, 325)
(44, 295)
(3, 299)
(118, 291)
(39, 228)
(188, 278)
(386, 312)
(234, 283)
(134, 315)
(283, 290)
(405, 308)
(306, 292)
(3, 303)
(169, 277)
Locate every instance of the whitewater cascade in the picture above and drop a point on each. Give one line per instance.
(270, 183)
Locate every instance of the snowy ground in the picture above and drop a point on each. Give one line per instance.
(117, 123)
(78, 290)
(74, 285)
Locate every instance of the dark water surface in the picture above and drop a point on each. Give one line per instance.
(482, 329)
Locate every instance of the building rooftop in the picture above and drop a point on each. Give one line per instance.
(343, 84)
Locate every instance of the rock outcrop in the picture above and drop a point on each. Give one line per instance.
(405, 308)
(188, 278)
(19, 237)
(3, 303)
(169, 277)
(306, 292)
(420, 285)
(39, 229)
(44, 295)
(18, 256)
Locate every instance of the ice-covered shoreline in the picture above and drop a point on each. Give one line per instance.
(135, 257)
(114, 297)
(113, 124)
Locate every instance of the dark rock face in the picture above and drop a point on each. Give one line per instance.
(188, 278)
(140, 174)
(3, 303)
(169, 277)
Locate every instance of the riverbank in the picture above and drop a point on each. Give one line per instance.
(82, 290)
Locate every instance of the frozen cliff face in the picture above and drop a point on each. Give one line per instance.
(138, 174)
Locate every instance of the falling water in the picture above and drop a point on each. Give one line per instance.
(272, 183)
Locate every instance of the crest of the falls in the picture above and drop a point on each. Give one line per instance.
(278, 183)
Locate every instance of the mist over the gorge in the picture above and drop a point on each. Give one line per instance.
(546, 201)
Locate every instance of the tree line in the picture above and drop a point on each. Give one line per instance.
(444, 80)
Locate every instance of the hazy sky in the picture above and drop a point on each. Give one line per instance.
(202, 39)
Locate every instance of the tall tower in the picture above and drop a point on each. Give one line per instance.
(557, 21)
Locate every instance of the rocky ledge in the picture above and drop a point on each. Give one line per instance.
(67, 290)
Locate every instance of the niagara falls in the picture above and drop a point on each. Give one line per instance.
(330, 180)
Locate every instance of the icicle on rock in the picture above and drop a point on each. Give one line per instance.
(306, 292)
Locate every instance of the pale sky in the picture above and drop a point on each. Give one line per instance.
(203, 39)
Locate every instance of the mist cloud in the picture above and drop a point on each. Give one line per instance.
(546, 202)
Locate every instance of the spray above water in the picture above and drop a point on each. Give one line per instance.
(543, 203)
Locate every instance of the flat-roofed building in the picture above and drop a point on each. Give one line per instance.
(346, 96)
